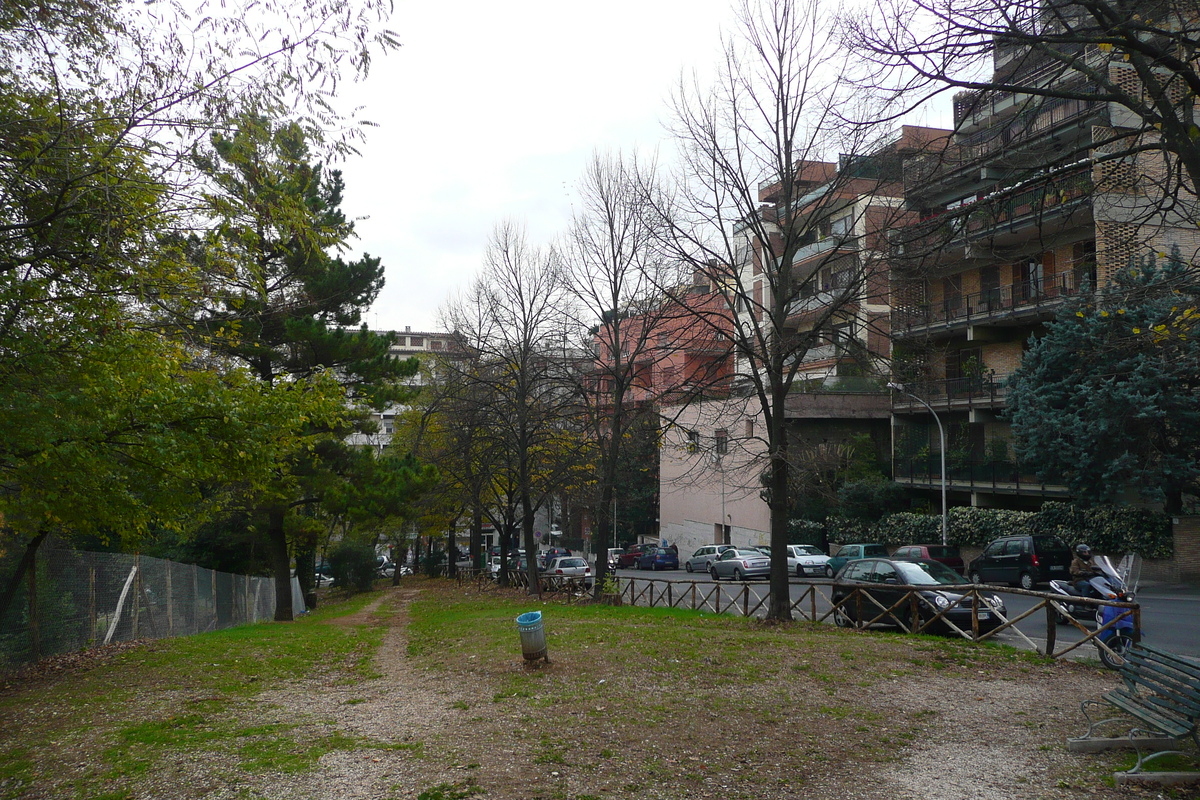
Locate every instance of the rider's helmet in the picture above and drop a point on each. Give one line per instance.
(1083, 551)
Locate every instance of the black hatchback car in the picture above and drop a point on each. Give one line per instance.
(1024, 561)
(868, 587)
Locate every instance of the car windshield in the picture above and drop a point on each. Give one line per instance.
(874, 550)
(748, 553)
(807, 550)
(942, 551)
(571, 562)
(927, 573)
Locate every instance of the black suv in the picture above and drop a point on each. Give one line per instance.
(1023, 561)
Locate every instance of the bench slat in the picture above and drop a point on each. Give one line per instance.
(1134, 705)
(1189, 668)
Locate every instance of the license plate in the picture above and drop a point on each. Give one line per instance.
(984, 615)
(1057, 569)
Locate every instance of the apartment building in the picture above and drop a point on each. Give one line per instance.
(836, 328)
(1032, 202)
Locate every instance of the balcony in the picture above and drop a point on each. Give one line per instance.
(824, 247)
(838, 398)
(1017, 304)
(992, 477)
(1014, 213)
(954, 394)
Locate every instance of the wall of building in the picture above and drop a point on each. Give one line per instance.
(697, 490)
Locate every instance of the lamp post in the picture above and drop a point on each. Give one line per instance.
(899, 387)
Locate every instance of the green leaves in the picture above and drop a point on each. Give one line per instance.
(1108, 398)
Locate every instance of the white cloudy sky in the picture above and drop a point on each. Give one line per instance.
(490, 111)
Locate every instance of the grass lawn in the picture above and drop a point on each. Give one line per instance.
(422, 693)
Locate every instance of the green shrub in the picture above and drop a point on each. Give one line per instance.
(432, 562)
(805, 531)
(352, 566)
(1108, 529)
(871, 500)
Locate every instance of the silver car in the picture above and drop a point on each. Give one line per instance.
(806, 559)
(569, 567)
(702, 560)
(741, 564)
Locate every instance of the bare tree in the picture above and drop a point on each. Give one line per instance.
(515, 322)
(782, 206)
(617, 272)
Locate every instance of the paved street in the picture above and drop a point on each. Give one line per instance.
(1170, 615)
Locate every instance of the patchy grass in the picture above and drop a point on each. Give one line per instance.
(635, 703)
(182, 695)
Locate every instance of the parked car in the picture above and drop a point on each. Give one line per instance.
(632, 554)
(765, 549)
(806, 559)
(384, 567)
(703, 558)
(614, 555)
(1024, 561)
(741, 564)
(877, 578)
(852, 552)
(569, 567)
(552, 553)
(942, 553)
(659, 558)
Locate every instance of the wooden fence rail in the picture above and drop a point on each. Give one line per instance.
(911, 613)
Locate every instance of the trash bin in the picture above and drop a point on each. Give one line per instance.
(533, 636)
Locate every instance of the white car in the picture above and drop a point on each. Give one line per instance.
(806, 559)
(569, 567)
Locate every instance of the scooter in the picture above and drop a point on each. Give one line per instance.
(1110, 583)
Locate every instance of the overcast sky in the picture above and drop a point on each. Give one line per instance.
(490, 111)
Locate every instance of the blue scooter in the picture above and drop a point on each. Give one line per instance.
(1110, 583)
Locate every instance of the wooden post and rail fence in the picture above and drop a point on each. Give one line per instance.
(911, 612)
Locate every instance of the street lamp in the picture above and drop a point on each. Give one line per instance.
(899, 387)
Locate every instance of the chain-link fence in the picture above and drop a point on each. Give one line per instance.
(76, 599)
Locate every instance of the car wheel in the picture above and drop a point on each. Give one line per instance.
(975, 578)
(688, 566)
(713, 573)
(841, 620)
(737, 575)
(828, 571)
(799, 571)
(1027, 581)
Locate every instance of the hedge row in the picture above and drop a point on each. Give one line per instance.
(1108, 529)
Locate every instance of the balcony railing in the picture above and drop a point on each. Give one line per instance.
(1032, 298)
(983, 391)
(1004, 477)
(1007, 210)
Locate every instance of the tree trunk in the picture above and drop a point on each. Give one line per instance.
(601, 537)
(478, 557)
(535, 586)
(780, 607)
(281, 564)
(306, 570)
(26, 563)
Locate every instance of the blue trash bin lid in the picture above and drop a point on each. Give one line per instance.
(529, 618)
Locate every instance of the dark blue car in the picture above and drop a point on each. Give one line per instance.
(659, 558)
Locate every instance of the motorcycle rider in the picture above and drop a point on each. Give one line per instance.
(1083, 567)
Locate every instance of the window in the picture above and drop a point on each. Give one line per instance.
(749, 428)
(883, 571)
(841, 226)
(721, 445)
(693, 441)
(435, 344)
(416, 341)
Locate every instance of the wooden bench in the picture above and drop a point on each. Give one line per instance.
(1161, 691)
